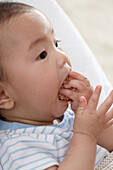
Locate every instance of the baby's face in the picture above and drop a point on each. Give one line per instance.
(36, 68)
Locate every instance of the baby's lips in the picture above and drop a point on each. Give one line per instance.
(62, 96)
(62, 91)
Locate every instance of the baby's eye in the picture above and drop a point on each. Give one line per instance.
(42, 56)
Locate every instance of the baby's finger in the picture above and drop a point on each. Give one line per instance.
(82, 105)
(76, 84)
(74, 105)
(105, 106)
(109, 115)
(79, 76)
(69, 93)
(109, 123)
(93, 102)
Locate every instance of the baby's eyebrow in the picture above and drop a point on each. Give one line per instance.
(35, 42)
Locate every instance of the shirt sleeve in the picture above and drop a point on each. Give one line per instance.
(28, 152)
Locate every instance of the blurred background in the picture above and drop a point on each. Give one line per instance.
(94, 21)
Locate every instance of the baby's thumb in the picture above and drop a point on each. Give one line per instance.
(82, 105)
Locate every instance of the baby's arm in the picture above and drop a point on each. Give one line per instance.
(89, 124)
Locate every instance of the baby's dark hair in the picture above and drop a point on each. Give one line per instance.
(7, 11)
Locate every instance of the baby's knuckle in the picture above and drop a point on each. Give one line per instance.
(93, 100)
(107, 106)
(86, 79)
(91, 112)
(81, 85)
(71, 93)
(100, 119)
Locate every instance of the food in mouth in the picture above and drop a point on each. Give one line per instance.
(61, 96)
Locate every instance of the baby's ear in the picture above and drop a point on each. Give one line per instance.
(6, 102)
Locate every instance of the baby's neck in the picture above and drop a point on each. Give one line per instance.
(32, 122)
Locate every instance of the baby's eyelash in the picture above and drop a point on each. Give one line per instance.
(57, 41)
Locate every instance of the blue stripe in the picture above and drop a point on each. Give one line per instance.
(43, 130)
(44, 164)
(68, 124)
(69, 136)
(37, 136)
(58, 140)
(63, 146)
(53, 130)
(0, 141)
(98, 150)
(54, 140)
(100, 159)
(34, 130)
(10, 139)
(24, 130)
(35, 154)
(18, 150)
(31, 162)
(61, 134)
(46, 137)
(22, 141)
(5, 132)
(14, 132)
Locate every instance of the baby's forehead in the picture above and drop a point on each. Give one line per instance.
(16, 18)
(33, 17)
(33, 22)
(26, 28)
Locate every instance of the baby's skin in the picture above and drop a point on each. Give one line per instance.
(89, 123)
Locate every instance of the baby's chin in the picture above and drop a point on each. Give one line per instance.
(60, 110)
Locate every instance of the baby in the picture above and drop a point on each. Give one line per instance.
(35, 133)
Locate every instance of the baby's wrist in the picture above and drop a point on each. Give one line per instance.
(87, 135)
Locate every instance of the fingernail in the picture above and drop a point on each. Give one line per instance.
(99, 87)
(81, 99)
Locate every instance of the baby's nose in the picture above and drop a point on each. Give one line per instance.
(67, 66)
(63, 59)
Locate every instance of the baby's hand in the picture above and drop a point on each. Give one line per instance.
(91, 121)
(82, 88)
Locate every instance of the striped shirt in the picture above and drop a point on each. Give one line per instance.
(37, 147)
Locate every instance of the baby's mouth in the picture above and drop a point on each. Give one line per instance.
(61, 96)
